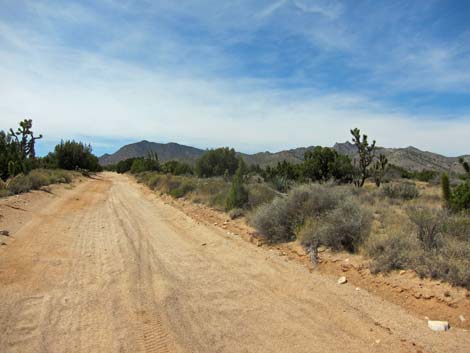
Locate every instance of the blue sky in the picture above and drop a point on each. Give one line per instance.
(255, 75)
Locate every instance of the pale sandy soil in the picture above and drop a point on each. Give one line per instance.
(108, 267)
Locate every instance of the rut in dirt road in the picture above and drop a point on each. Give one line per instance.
(109, 268)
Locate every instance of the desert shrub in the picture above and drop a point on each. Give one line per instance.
(314, 199)
(456, 262)
(57, 176)
(429, 223)
(284, 216)
(460, 197)
(39, 178)
(236, 213)
(404, 191)
(5, 193)
(3, 185)
(153, 180)
(176, 168)
(180, 191)
(343, 228)
(124, 165)
(19, 184)
(395, 251)
(275, 221)
(259, 194)
(457, 226)
(280, 183)
(213, 191)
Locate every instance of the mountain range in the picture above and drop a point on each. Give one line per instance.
(410, 158)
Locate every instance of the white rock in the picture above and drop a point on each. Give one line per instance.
(342, 280)
(461, 318)
(438, 325)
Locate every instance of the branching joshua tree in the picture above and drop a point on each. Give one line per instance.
(366, 155)
(25, 139)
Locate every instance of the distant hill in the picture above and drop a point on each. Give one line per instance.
(409, 158)
(165, 152)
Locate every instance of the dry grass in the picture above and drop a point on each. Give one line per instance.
(35, 180)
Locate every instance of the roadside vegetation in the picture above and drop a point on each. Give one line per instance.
(398, 219)
(21, 170)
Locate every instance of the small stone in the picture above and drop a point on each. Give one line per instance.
(438, 325)
(342, 280)
(462, 319)
(377, 341)
(402, 272)
(358, 289)
(203, 244)
(5, 233)
(3, 244)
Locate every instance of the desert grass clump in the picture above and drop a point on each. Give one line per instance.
(403, 191)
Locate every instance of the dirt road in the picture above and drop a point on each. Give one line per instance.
(107, 268)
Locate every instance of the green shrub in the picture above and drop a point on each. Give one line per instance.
(73, 155)
(238, 195)
(404, 191)
(217, 162)
(460, 197)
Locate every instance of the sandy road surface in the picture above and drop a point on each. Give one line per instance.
(108, 268)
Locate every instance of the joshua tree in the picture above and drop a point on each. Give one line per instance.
(366, 154)
(25, 139)
(379, 168)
